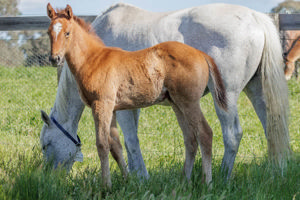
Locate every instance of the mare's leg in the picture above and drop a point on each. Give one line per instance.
(254, 92)
(116, 147)
(196, 131)
(128, 121)
(102, 113)
(232, 132)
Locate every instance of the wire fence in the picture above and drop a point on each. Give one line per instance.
(17, 51)
(24, 49)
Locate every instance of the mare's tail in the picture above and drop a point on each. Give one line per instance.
(219, 87)
(275, 91)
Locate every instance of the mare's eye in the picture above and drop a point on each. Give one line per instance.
(67, 34)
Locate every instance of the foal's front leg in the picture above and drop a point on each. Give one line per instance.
(102, 113)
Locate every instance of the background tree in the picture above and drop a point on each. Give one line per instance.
(288, 6)
(9, 8)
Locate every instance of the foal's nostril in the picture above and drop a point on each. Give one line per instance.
(54, 59)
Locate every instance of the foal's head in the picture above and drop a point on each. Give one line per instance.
(60, 32)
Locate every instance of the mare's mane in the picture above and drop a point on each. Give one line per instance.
(61, 13)
(118, 5)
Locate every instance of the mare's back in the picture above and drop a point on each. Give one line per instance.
(132, 28)
(230, 34)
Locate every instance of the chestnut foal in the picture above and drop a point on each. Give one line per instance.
(111, 79)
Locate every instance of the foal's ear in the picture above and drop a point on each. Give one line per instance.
(45, 118)
(50, 11)
(69, 11)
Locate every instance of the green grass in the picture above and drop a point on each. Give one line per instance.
(23, 175)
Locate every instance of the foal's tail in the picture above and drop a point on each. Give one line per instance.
(219, 87)
(275, 92)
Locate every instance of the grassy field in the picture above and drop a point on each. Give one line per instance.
(23, 175)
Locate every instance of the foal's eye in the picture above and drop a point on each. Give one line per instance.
(67, 34)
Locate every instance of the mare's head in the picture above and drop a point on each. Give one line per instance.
(57, 148)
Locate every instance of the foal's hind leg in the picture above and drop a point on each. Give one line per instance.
(116, 147)
(190, 142)
(195, 129)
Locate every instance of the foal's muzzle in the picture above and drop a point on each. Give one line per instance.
(55, 60)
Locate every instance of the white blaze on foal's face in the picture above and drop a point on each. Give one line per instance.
(57, 28)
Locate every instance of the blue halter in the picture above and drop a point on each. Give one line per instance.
(66, 133)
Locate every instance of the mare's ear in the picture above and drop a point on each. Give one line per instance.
(69, 11)
(50, 11)
(45, 118)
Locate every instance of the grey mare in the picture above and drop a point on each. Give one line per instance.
(244, 44)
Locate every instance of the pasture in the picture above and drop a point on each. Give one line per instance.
(23, 175)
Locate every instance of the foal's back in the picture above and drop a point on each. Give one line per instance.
(146, 77)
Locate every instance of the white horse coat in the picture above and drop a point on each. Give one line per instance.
(244, 44)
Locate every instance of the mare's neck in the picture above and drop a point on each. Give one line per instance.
(68, 106)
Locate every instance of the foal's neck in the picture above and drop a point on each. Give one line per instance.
(82, 48)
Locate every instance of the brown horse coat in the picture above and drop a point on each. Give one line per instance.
(291, 56)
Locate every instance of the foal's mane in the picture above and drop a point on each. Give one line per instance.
(61, 13)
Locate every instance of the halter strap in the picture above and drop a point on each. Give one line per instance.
(66, 133)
